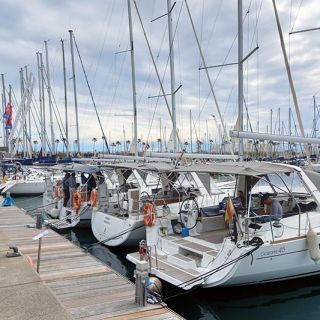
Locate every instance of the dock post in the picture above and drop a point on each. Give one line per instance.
(142, 276)
(39, 253)
(39, 220)
(39, 237)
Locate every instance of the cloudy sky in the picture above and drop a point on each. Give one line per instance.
(101, 31)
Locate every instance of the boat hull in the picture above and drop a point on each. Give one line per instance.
(117, 231)
(25, 187)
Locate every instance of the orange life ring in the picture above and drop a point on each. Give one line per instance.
(57, 192)
(77, 200)
(93, 197)
(148, 214)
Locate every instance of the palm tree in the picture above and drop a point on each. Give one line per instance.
(35, 142)
(211, 145)
(57, 141)
(19, 143)
(186, 143)
(159, 144)
(118, 143)
(103, 143)
(63, 143)
(94, 144)
(199, 143)
(113, 145)
(75, 146)
(127, 145)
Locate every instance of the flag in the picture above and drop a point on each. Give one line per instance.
(7, 117)
(230, 211)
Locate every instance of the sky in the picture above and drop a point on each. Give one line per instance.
(101, 31)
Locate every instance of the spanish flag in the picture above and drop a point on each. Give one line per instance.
(230, 211)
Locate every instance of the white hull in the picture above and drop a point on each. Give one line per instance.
(19, 187)
(286, 257)
(117, 231)
(66, 217)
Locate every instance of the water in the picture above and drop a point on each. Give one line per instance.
(290, 300)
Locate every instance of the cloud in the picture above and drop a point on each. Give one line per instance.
(101, 29)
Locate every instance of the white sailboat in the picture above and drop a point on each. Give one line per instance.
(250, 251)
(78, 210)
(30, 182)
(171, 196)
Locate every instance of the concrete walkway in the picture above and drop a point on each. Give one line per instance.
(22, 293)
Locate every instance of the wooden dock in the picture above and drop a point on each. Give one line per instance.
(82, 285)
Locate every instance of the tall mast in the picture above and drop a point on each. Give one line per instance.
(29, 122)
(133, 76)
(190, 115)
(240, 77)
(65, 96)
(5, 136)
(24, 124)
(40, 101)
(74, 90)
(172, 77)
(44, 145)
(53, 149)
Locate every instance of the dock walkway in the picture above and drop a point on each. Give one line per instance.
(71, 284)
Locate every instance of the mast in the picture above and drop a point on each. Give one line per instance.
(53, 149)
(133, 76)
(240, 76)
(24, 124)
(29, 122)
(74, 89)
(65, 96)
(40, 100)
(191, 131)
(44, 145)
(172, 76)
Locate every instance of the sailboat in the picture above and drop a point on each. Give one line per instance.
(153, 189)
(251, 247)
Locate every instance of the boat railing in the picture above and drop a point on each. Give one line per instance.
(255, 219)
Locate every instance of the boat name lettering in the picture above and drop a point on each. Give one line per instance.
(273, 252)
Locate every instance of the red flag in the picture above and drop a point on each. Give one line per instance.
(8, 116)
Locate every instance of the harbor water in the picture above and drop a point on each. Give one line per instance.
(290, 300)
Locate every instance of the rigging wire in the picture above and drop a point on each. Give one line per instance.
(166, 67)
(83, 69)
(296, 17)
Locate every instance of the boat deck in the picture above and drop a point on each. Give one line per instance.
(78, 283)
(162, 264)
